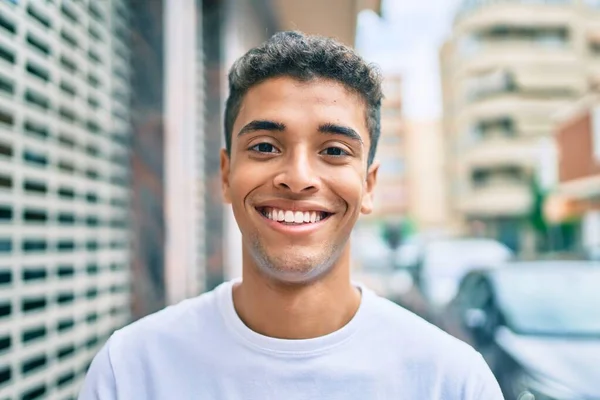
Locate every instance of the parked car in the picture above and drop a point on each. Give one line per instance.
(537, 324)
(441, 264)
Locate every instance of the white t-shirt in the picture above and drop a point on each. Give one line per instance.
(200, 349)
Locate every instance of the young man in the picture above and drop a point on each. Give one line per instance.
(301, 126)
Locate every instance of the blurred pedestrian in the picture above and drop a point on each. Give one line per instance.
(301, 126)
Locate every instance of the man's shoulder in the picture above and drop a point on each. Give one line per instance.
(417, 338)
(177, 321)
(443, 360)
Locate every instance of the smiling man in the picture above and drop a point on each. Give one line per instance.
(301, 130)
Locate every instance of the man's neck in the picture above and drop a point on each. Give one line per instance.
(296, 311)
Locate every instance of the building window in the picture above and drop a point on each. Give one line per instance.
(91, 318)
(65, 379)
(95, 33)
(35, 216)
(5, 276)
(65, 271)
(65, 351)
(35, 274)
(5, 343)
(69, 39)
(35, 304)
(5, 309)
(65, 218)
(6, 213)
(36, 187)
(66, 140)
(92, 220)
(68, 65)
(66, 166)
(38, 44)
(7, 85)
(91, 293)
(36, 393)
(34, 245)
(67, 114)
(37, 99)
(6, 182)
(33, 334)
(38, 72)
(92, 269)
(69, 13)
(547, 37)
(65, 298)
(68, 88)
(92, 342)
(39, 17)
(66, 245)
(8, 25)
(65, 325)
(35, 158)
(5, 245)
(5, 375)
(489, 84)
(7, 55)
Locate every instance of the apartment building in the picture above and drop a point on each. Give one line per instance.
(64, 190)
(391, 198)
(577, 197)
(507, 67)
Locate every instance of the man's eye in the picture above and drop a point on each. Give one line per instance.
(264, 148)
(334, 151)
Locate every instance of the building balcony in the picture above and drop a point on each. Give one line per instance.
(519, 54)
(477, 14)
(496, 152)
(515, 104)
(498, 199)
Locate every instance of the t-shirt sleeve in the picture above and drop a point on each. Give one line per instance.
(482, 383)
(100, 382)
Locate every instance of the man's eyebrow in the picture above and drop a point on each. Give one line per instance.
(261, 125)
(340, 130)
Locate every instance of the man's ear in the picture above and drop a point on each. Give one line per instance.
(225, 168)
(367, 200)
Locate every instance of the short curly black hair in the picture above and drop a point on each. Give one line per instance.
(305, 57)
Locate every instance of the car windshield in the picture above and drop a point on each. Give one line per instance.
(452, 258)
(556, 301)
(447, 261)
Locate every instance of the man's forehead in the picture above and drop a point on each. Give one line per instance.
(319, 99)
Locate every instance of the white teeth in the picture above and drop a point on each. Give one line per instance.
(298, 217)
(289, 216)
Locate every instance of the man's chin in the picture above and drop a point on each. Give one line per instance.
(294, 271)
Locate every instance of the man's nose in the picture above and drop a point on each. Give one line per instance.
(298, 174)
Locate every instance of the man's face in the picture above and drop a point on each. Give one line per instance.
(297, 176)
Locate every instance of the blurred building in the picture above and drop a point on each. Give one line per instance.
(426, 176)
(507, 67)
(391, 199)
(64, 190)
(578, 194)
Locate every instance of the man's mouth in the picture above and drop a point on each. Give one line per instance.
(293, 217)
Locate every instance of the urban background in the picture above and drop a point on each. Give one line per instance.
(488, 203)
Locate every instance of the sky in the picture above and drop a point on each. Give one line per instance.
(406, 41)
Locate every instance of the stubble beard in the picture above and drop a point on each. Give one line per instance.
(294, 268)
